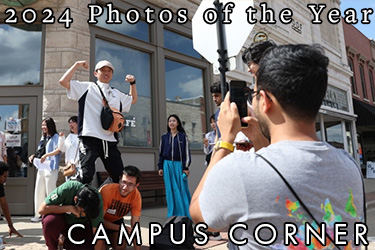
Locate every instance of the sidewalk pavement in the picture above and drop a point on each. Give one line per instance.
(33, 236)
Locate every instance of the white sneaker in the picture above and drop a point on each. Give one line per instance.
(36, 219)
(215, 237)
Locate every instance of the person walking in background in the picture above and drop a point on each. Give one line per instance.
(174, 162)
(46, 178)
(97, 142)
(209, 140)
(252, 55)
(69, 145)
(217, 97)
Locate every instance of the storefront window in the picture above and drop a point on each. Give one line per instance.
(139, 30)
(334, 133)
(362, 74)
(179, 43)
(14, 123)
(349, 138)
(318, 131)
(138, 130)
(20, 50)
(184, 92)
(371, 84)
(352, 79)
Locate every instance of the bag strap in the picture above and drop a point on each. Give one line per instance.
(101, 92)
(105, 99)
(296, 195)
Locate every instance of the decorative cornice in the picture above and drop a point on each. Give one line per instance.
(371, 64)
(362, 59)
(351, 51)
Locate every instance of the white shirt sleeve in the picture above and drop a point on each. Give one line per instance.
(61, 143)
(77, 89)
(126, 101)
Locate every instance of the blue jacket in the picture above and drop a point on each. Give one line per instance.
(178, 150)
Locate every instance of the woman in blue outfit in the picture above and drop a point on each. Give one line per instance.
(174, 162)
(46, 178)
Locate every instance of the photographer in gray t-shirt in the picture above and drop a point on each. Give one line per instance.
(241, 189)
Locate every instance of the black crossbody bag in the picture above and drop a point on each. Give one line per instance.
(303, 204)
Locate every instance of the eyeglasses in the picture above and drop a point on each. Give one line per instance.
(250, 94)
(128, 184)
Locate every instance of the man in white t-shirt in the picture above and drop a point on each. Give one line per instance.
(97, 142)
(241, 193)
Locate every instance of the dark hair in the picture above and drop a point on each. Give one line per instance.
(212, 117)
(89, 200)
(3, 167)
(216, 87)
(132, 171)
(256, 50)
(179, 126)
(51, 126)
(74, 118)
(297, 77)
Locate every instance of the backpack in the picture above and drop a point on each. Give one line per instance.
(163, 241)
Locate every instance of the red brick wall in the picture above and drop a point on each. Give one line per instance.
(362, 45)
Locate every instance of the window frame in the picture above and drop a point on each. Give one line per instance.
(158, 54)
(363, 80)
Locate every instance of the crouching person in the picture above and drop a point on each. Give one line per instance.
(118, 200)
(70, 204)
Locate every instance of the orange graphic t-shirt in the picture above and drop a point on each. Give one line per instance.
(115, 206)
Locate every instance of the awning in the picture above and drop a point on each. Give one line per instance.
(365, 113)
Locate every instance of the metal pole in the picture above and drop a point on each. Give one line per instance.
(222, 45)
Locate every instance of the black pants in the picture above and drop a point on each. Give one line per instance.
(92, 149)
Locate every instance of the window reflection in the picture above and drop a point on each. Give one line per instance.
(138, 130)
(179, 43)
(139, 30)
(349, 138)
(184, 92)
(20, 50)
(334, 133)
(14, 123)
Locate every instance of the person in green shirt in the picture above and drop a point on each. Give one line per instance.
(69, 204)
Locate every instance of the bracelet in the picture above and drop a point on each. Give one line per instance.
(132, 83)
(10, 225)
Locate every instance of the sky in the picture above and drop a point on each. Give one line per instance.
(367, 29)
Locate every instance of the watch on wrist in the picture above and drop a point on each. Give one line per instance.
(222, 144)
(132, 83)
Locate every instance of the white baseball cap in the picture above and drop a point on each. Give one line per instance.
(241, 138)
(104, 63)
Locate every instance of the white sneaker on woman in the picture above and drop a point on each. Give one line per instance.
(36, 219)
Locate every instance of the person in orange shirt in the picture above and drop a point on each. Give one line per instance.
(118, 200)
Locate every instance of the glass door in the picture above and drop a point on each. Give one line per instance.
(18, 122)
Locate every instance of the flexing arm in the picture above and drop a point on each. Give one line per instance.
(67, 77)
(133, 88)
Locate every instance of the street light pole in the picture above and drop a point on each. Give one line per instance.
(222, 47)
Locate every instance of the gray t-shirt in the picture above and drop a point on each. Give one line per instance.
(242, 187)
